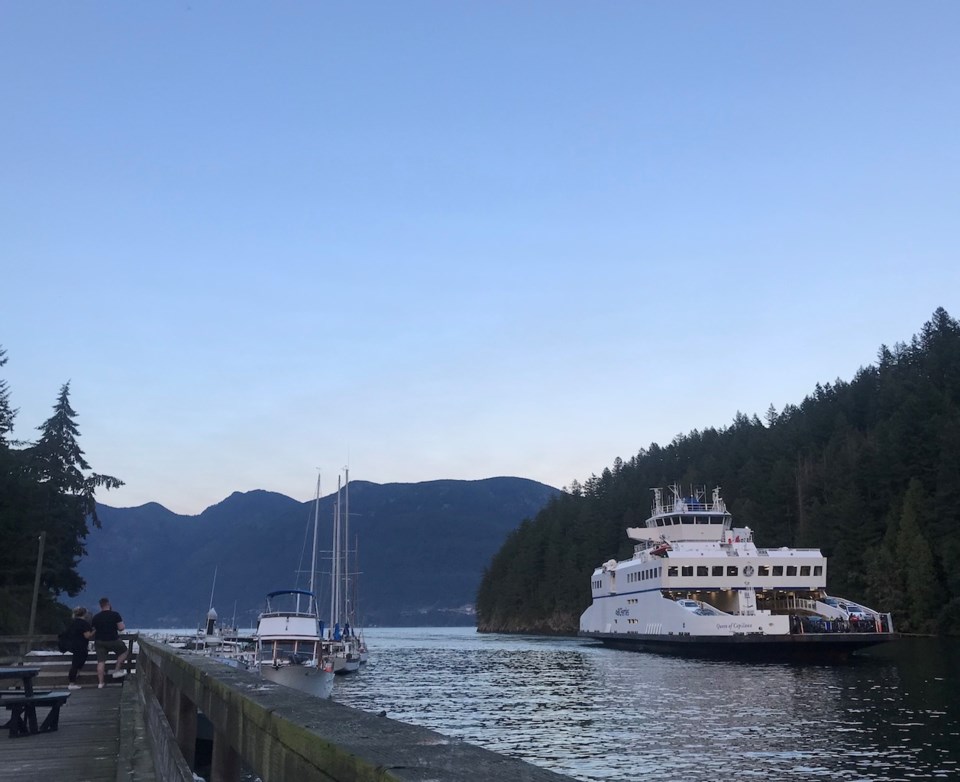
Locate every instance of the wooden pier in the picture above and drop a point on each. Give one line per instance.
(181, 714)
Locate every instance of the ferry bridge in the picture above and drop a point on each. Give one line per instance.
(176, 714)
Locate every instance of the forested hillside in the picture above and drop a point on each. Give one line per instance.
(866, 470)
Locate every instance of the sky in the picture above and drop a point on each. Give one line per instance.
(458, 239)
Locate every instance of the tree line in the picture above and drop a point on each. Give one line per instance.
(46, 487)
(867, 470)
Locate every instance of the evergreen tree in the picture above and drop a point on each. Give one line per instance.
(921, 589)
(7, 413)
(46, 488)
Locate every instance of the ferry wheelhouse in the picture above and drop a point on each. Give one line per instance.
(697, 584)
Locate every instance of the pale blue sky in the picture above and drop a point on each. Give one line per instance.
(458, 239)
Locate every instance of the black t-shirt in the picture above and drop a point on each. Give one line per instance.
(105, 623)
(75, 633)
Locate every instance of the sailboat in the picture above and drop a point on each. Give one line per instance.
(342, 645)
(290, 648)
(217, 642)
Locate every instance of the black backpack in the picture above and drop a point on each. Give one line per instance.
(63, 641)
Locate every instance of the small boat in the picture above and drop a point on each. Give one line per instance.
(289, 649)
(698, 585)
(290, 646)
(225, 645)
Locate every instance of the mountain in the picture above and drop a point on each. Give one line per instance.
(421, 549)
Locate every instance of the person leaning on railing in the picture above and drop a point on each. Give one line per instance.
(108, 624)
(79, 632)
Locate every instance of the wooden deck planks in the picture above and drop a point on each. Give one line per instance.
(84, 749)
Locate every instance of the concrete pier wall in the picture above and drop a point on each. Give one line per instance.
(283, 735)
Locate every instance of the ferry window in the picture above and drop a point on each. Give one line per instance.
(804, 570)
(659, 522)
(732, 570)
(672, 570)
(686, 570)
(818, 570)
(778, 570)
(718, 570)
(701, 570)
(763, 570)
(791, 570)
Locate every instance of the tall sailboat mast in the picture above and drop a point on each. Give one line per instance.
(347, 607)
(335, 563)
(316, 523)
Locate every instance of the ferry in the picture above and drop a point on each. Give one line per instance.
(698, 585)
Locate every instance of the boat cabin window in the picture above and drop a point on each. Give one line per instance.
(818, 570)
(778, 570)
(804, 570)
(702, 570)
(701, 520)
(791, 570)
(672, 570)
(659, 522)
(763, 570)
(285, 647)
(686, 570)
(717, 570)
(732, 570)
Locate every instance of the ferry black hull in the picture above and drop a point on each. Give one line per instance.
(805, 646)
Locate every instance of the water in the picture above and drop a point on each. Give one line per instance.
(599, 714)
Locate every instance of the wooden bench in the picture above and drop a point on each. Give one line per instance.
(23, 711)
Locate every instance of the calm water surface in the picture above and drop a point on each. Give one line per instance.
(600, 714)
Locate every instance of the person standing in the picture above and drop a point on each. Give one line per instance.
(79, 633)
(107, 624)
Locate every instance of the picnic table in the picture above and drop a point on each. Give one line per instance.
(22, 704)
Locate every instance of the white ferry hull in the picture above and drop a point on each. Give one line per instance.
(809, 646)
